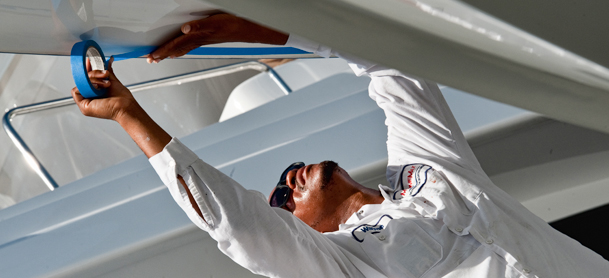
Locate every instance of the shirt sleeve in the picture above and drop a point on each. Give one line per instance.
(421, 127)
(267, 241)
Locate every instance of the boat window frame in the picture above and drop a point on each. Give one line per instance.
(174, 80)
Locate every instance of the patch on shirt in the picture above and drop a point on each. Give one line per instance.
(412, 180)
(360, 232)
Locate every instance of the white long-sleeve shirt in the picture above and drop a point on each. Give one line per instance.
(442, 216)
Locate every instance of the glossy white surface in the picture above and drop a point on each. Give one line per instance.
(445, 41)
(584, 34)
(450, 43)
(553, 168)
(52, 27)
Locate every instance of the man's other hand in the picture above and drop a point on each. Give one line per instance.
(218, 28)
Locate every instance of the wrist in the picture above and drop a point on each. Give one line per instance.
(147, 134)
(130, 113)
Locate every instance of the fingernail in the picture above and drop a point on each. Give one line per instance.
(149, 60)
(171, 57)
(186, 29)
(95, 86)
(106, 81)
(104, 71)
(156, 56)
(157, 61)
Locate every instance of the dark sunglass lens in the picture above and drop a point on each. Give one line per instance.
(280, 196)
(282, 192)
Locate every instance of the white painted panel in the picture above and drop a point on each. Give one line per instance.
(118, 26)
(5, 60)
(452, 44)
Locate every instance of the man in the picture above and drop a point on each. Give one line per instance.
(440, 217)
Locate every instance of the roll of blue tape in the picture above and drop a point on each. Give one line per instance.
(80, 52)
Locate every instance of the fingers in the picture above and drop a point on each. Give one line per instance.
(275, 62)
(112, 77)
(212, 29)
(186, 28)
(80, 101)
(150, 59)
(98, 74)
(99, 78)
(180, 46)
(206, 24)
(110, 64)
(88, 64)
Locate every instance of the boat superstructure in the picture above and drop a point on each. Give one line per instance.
(110, 215)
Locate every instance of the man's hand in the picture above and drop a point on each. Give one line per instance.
(217, 28)
(120, 105)
(114, 105)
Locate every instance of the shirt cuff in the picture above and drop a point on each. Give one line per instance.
(174, 153)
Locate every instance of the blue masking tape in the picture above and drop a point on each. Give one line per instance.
(79, 71)
(138, 52)
(219, 51)
(98, 61)
(245, 51)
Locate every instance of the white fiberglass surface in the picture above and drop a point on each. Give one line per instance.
(52, 27)
(461, 23)
(118, 26)
(5, 61)
(451, 43)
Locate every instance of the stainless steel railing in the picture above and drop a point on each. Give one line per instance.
(157, 83)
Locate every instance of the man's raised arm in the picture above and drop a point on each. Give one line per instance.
(120, 106)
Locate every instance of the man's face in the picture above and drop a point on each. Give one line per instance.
(313, 197)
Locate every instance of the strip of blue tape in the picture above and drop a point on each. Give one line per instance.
(219, 51)
(79, 54)
(79, 71)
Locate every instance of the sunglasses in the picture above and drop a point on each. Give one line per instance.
(282, 191)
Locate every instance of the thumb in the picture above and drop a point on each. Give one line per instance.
(196, 26)
(109, 64)
(209, 24)
(112, 77)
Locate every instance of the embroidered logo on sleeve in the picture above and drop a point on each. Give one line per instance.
(360, 232)
(412, 180)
